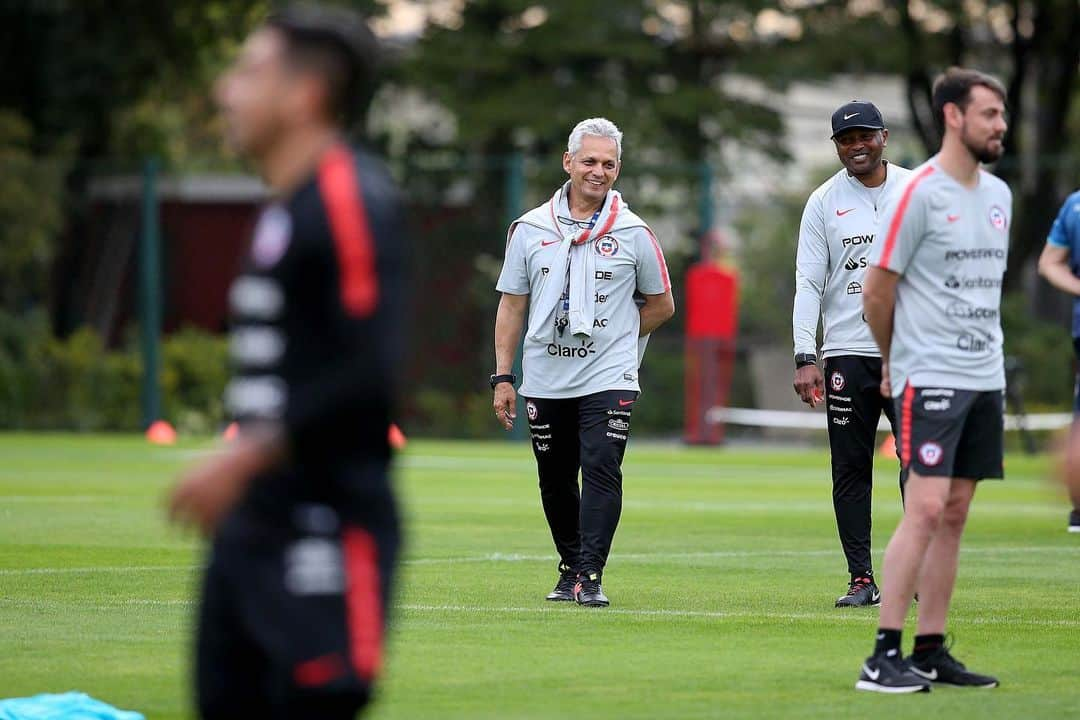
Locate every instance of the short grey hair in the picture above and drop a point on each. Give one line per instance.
(598, 127)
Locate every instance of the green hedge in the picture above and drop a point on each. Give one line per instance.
(466, 412)
(1045, 351)
(76, 383)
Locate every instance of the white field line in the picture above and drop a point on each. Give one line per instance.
(554, 612)
(721, 614)
(109, 604)
(779, 506)
(500, 557)
(719, 554)
(807, 420)
(95, 569)
(56, 499)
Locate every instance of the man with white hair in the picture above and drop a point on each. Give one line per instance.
(593, 278)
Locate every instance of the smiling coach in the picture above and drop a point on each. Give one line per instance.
(837, 232)
(578, 263)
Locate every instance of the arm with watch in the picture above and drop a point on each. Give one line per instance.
(509, 321)
(809, 382)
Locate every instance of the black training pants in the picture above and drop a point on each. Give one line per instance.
(853, 406)
(588, 434)
(293, 610)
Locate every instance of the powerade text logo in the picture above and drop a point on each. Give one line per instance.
(974, 254)
(857, 240)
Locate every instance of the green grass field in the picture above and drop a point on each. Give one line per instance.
(722, 581)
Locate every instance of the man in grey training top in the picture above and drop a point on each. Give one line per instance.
(933, 299)
(839, 226)
(576, 263)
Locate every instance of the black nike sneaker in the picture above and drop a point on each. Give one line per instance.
(588, 592)
(884, 674)
(942, 668)
(1074, 521)
(564, 589)
(861, 592)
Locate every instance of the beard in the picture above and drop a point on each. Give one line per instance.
(983, 153)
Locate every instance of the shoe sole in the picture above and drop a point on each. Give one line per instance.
(869, 686)
(846, 605)
(593, 604)
(977, 687)
(1074, 528)
(559, 599)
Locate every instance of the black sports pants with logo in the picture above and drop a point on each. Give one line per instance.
(853, 407)
(588, 434)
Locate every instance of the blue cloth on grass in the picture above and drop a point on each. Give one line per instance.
(67, 706)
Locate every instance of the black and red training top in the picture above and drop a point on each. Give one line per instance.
(317, 329)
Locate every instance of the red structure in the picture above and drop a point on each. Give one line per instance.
(712, 292)
(205, 220)
(205, 244)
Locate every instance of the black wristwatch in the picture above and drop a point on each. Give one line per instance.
(804, 359)
(496, 379)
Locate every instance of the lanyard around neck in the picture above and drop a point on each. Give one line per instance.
(563, 318)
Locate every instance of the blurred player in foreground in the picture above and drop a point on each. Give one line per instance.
(839, 226)
(933, 301)
(300, 506)
(576, 264)
(1060, 265)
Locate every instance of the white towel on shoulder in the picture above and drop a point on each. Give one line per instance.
(575, 250)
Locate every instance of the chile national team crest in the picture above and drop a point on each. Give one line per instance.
(606, 246)
(837, 381)
(930, 454)
(997, 218)
(272, 235)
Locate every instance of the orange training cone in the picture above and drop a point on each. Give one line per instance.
(888, 447)
(396, 438)
(161, 433)
(230, 432)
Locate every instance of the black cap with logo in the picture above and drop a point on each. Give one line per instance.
(857, 114)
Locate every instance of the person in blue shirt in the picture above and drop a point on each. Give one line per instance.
(1060, 265)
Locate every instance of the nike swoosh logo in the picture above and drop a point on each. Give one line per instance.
(842, 213)
(848, 117)
(932, 675)
(877, 596)
(545, 243)
(872, 674)
(625, 403)
(952, 218)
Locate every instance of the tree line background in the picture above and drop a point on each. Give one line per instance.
(90, 84)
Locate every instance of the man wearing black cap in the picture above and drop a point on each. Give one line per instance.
(839, 224)
(300, 506)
